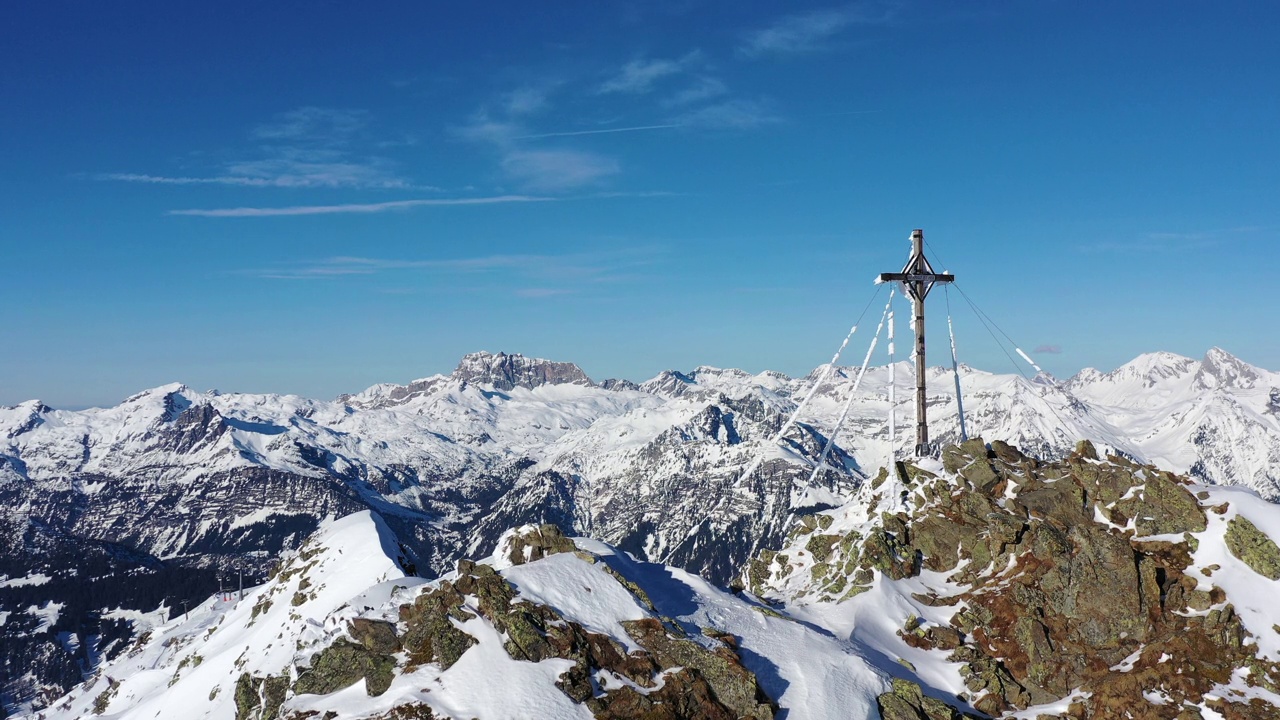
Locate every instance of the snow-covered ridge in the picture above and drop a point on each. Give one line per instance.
(340, 631)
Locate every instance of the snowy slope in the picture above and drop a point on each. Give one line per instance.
(192, 667)
(187, 658)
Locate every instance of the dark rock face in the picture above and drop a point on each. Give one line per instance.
(430, 637)
(1071, 569)
(729, 683)
(713, 684)
(507, 372)
(376, 636)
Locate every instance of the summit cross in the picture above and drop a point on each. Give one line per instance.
(918, 278)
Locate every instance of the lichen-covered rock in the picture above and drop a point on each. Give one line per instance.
(820, 546)
(891, 554)
(1068, 570)
(1253, 547)
(1163, 507)
(731, 684)
(260, 698)
(533, 543)
(430, 636)
(907, 701)
(377, 636)
(341, 665)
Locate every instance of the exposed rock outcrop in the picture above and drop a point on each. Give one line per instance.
(507, 372)
(534, 543)
(1077, 579)
(669, 677)
(1253, 547)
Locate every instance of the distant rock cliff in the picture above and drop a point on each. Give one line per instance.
(507, 372)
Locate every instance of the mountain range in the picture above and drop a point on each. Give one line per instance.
(110, 512)
(985, 583)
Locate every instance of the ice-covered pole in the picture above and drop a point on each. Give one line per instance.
(791, 421)
(893, 413)
(955, 371)
(1029, 360)
(844, 412)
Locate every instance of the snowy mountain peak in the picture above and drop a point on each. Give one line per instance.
(22, 417)
(385, 395)
(507, 372)
(1156, 366)
(31, 407)
(213, 652)
(1222, 369)
(713, 371)
(173, 388)
(668, 384)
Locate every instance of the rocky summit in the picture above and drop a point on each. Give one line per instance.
(1085, 588)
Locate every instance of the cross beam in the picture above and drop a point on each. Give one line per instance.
(918, 278)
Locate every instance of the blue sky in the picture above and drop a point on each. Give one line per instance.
(313, 197)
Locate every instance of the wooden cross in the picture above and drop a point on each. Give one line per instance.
(918, 278)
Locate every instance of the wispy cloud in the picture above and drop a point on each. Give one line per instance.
(483, 128)
(572, 133)
(286, 173)
(639, 76)
(167, 180)
(537, 170)
(1166, 242)
(309, 147)
(704, 88)
(527, 100)
(356, 208)
(811, 31)
(1049, 349)
(314, 124)
(557, 170)
(527, 275)
(543, 292)
(728, 115)
(339, 266)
